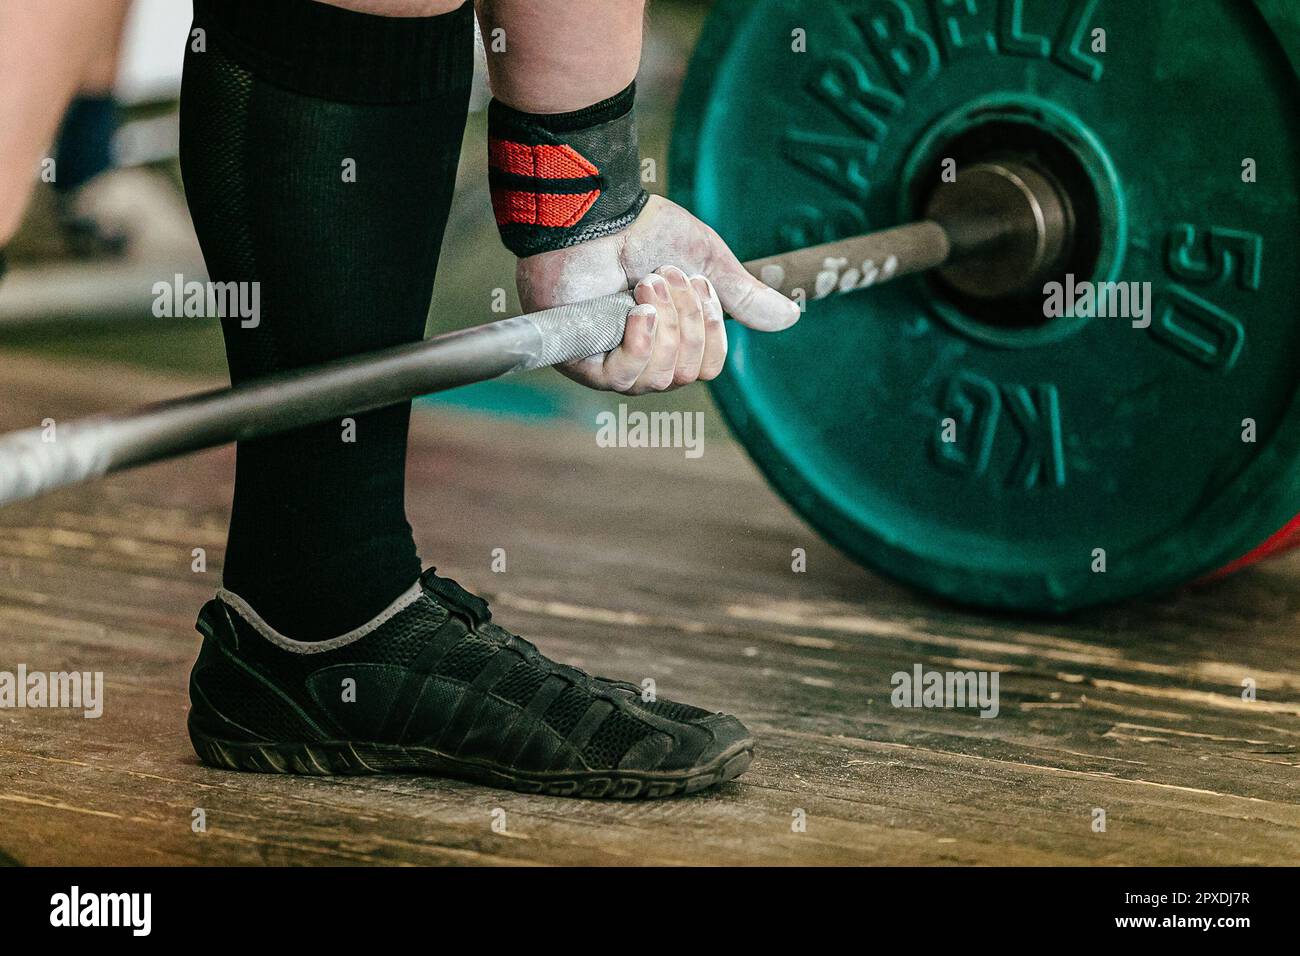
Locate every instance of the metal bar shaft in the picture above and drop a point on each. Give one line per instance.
(36, 460)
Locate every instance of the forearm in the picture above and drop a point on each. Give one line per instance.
(560, 55)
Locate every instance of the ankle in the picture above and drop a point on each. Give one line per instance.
(320, 603)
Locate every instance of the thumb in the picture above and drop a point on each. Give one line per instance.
(745, 298)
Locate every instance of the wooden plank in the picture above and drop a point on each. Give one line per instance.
(640, 563)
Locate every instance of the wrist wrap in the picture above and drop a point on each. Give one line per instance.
(559, 179)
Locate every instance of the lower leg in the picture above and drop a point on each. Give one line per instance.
(327, 181)
(45, 51)
(86, 137)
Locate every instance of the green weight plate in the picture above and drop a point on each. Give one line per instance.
(1067, 437)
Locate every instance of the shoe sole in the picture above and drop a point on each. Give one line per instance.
(342, 757)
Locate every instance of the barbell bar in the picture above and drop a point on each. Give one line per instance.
(1017, 228)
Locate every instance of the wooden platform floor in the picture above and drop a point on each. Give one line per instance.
(642, 564)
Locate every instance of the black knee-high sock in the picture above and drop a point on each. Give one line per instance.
(319, 151)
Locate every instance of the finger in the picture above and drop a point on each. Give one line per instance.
(623, 365)
(658, 372)
(690, 325)
(715, 330)
(748, 301)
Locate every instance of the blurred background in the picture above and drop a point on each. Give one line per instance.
(83, 267)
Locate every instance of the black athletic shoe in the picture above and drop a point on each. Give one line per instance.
(433, 685)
